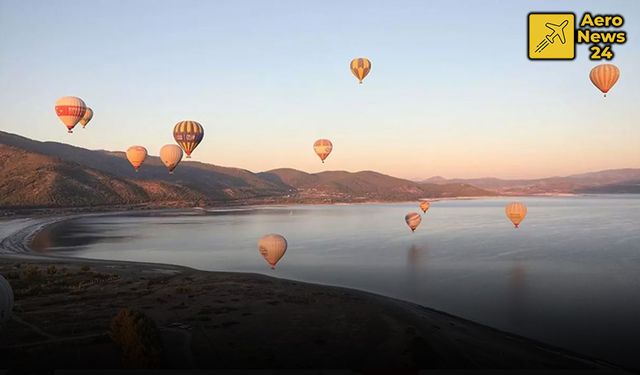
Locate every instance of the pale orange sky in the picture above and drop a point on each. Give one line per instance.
(465, 105)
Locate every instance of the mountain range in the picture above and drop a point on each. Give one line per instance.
(36, 174)
(612, 181)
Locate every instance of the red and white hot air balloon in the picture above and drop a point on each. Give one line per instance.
(70, 110)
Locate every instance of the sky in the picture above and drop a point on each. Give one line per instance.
(451, 91)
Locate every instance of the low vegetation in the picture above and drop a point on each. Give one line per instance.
(138, 337)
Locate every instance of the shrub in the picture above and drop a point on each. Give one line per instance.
(51, 270)
(138, 337)
(85, 268)
(32, 272)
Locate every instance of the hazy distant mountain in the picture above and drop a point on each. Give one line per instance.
(630, 187)
(618, 180)
(50, 174)
(365, 185)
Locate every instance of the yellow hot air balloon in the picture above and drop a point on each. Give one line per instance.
(88, 115)
(6, 300)
(272, 247)
(136, 156)
(604, 76)
(516, 212)
(323, 148)
(188, 134)
(424, 206)
(413, 220)
(171, 156)
(360, 67)
(70, 110)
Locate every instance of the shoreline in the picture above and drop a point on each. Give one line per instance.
(415, 333)
(31, 212)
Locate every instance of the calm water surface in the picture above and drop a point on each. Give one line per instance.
(570, 276)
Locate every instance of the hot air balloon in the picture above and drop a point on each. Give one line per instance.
(188, 135)
(136, 156)
(604, 76)
(413, 220)
(70, 110)
(6, 300)
(424, 206)
(272, 247)
(171, 156)
(323, 148)
(88, 115)
(360, 67)
(516, 212)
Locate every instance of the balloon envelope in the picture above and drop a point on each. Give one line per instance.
(88, 115)
(516, 212)
(424, 206)
(413, 220)
(604, 76)
(70, 110)
(6, 300)
(171, 156)
(188, 134)
(272, 247)
(323, 148)
(360, 67)
(136, 156)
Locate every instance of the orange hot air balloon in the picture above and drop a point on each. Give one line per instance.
(136, 156)
(424, 206)
(516, 212)
(413, 220)
(360, 67)
(70, 110)
(604, 76)
(171, 155)
(323, 148)
(188, 134)
(88, 115)
(272, 247)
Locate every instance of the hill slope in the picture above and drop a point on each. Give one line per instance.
(363, 186)
(42, 181)
(578, 183)
(50, 174)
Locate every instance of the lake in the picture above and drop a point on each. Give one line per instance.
(570, 276)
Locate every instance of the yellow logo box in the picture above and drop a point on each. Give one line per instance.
(552, 36)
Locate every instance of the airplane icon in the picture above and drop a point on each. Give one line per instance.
(556, 30)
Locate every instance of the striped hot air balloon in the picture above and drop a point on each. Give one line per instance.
(413, 220)
(604, 76)
(136, 156)
(70, 110)
(516, 212)
(88, 115)
(188, 134)
(272, 247)
(360, 67)
(323, 148)
(170, 155)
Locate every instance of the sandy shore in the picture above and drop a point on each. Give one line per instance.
(64, 307)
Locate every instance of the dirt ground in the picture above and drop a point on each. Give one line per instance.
(64, 309)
